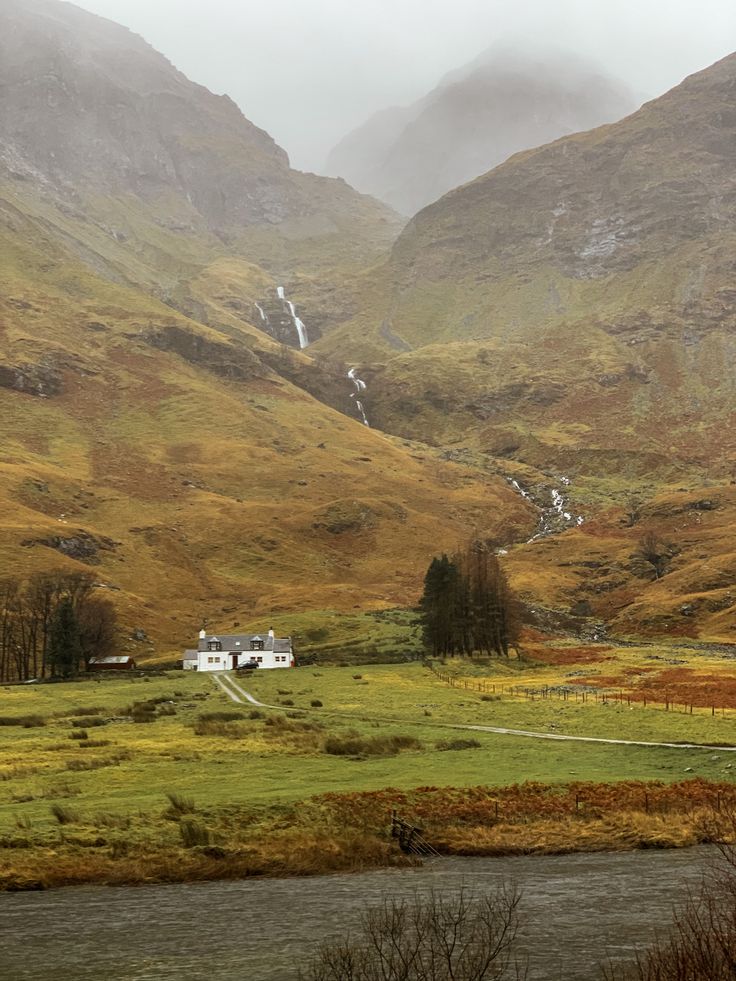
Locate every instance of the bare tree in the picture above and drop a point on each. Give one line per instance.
(632, 509)
(27, 612)
(655, 552)
(702, 943)
(97, 628)
(431, 938)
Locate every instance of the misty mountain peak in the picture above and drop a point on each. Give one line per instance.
(505, 100)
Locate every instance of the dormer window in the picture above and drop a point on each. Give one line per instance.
(256, 645)
(214, 645)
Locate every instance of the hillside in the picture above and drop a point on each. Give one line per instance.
(149, 178)
(152, 433)
(478, 116)
(572, 311)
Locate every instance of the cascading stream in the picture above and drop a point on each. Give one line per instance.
(360, 387)
(552, 518)
(299, 324)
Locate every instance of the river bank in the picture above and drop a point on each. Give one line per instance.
(333, 833)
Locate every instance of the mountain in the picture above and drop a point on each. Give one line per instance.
(153, 433)
(150, 177)
(477, 117)
(573, 311)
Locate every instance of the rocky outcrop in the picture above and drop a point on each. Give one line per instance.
(82, 546)
(225, 359)
(32, 379)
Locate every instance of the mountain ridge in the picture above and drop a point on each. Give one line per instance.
(477, 116)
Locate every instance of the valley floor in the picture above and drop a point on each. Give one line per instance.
(167, 778)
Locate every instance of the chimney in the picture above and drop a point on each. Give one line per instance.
(270, 632)
(202, 634)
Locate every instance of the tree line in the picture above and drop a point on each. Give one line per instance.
(52, 625)
(467, 607)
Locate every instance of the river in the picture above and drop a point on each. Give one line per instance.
(576, 910)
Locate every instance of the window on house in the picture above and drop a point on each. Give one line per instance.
(260, 660)
(214, 645)
(256, 645)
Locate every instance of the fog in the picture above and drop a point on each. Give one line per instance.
(308, 71)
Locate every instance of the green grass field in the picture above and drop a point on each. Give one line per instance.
(126, 767)
(114, 764)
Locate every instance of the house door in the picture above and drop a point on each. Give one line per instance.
(235, 661)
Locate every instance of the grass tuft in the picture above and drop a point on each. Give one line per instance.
(178, 804)
(64, 815)
(194, 833)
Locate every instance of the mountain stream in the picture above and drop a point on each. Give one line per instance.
(299, 324)
(360, 387)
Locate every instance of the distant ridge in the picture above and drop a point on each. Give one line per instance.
(477, 117)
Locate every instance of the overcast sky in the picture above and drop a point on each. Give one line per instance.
(308, 71)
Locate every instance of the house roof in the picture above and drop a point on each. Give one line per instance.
(242, 642)
(111, 659)
(191, 655)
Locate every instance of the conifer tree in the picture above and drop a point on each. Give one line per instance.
(467, 606)
(65, 649)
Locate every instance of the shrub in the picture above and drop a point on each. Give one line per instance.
(356, 745)
(286, 701)
(461, 937)
(357, 677)
(92, 710)
(256, 714)
(79, 734)
(490, 698)
(281, 724)
(88, 723)
(446, 744)
(27, 721)
(315, 703)
(284, 691)
(221, 717)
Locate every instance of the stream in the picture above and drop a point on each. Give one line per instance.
(576, 910)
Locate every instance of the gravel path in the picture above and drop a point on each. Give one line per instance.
(231, 688)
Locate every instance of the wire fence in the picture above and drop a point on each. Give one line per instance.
(568, 693)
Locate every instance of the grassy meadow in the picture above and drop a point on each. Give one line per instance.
(164, 777)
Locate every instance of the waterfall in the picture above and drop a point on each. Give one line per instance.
(360, 386)
(260, 309)
(554, 517)
(299, 324)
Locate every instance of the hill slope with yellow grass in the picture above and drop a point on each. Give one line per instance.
(151, 432)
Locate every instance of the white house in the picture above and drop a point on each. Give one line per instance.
(224, 652)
